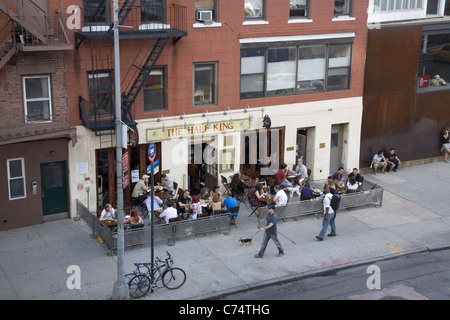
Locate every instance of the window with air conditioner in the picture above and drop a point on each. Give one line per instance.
(206, 10)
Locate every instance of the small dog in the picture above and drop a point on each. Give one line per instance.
(245, 241)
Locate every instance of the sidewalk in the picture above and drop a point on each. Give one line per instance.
(414, 218)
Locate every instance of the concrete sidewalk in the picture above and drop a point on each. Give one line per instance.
(414, 218)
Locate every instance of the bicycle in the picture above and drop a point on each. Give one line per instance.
(140, 282)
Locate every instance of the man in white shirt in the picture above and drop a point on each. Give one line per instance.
(280, 197)
(169, 213)
(302, 171)
(379, 161)
(328, 217)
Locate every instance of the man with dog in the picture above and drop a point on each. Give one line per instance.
(270, 228)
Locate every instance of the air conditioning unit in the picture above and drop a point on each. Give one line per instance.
(204, 15)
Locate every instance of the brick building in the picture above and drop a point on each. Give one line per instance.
(225, 67)
(35, 134)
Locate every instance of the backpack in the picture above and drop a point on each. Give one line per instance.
(335, 202)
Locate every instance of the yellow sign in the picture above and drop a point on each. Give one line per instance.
(196, 129)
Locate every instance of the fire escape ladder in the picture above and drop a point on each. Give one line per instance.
(123, 13)
(144, 72)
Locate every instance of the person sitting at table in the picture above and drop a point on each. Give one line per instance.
(255, 198)
(169, 213)
(280, 197)
(133, 221)
(307, 192)
(338, 174)
(355, 174)
(338, 181)
(280, 177)
(108, 213)
(157, 203)
(216, 204)
(196, 207)
(183, 203)
(205, 199)
(302, 171)
(167, 183)
(140, 189)
(216, 192)
(236, 185)
(230, 202)
(352, 185)
(330, 184)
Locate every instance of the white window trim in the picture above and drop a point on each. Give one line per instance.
(254, 22)
(25, 100)
(300, 20)
(22, 160)
(213, 24)
(299, 37)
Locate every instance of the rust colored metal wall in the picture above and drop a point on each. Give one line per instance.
(394, 115)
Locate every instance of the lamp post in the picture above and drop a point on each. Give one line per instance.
(120, 289)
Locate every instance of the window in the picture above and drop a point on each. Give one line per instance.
(16, 178)
(281, 71)
(342, 8)
(311, 69)
(298, 9)
(434, 61)
(339, 61)
(96, 12)
(152, 11)
(37, 98)
(292, 70)
(252, 73)
(254, 9)
(155, 90)
(101, 93)
(205, 9)
(205, 84)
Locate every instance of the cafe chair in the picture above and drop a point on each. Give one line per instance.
(226, 184)
(252, 207)
(216, 212)
(233, 217)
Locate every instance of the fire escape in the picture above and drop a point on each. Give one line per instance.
(137, 22)
(27, 27)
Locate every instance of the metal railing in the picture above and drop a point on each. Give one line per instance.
(163, 233)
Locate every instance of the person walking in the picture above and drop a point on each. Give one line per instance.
(329, 215)
(270, 228)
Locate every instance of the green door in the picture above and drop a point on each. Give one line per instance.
(54, 187)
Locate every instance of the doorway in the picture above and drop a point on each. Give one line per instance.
(202, 166)
(54, 188)
(336, 147)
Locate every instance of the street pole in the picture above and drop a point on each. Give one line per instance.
(120, 289)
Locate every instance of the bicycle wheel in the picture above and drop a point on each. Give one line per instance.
(173, 278)
(128, 277)
(139, 286)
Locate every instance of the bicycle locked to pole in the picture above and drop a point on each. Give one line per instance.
(140, 280)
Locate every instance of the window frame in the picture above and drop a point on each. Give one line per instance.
(345, 14)
(108, 19)
(22, 177)
(215, 10)
(93, 112)
(307, 11)
(322, 88)
(214, 84)
(263, 16)
(27, 100)
(164, 90)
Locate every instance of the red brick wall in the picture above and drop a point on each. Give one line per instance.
(221, 44)
(30, 63)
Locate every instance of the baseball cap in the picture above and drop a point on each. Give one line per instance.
(145, 176)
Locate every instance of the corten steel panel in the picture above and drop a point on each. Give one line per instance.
(432, 114)
(392, 60)
(387, 122)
